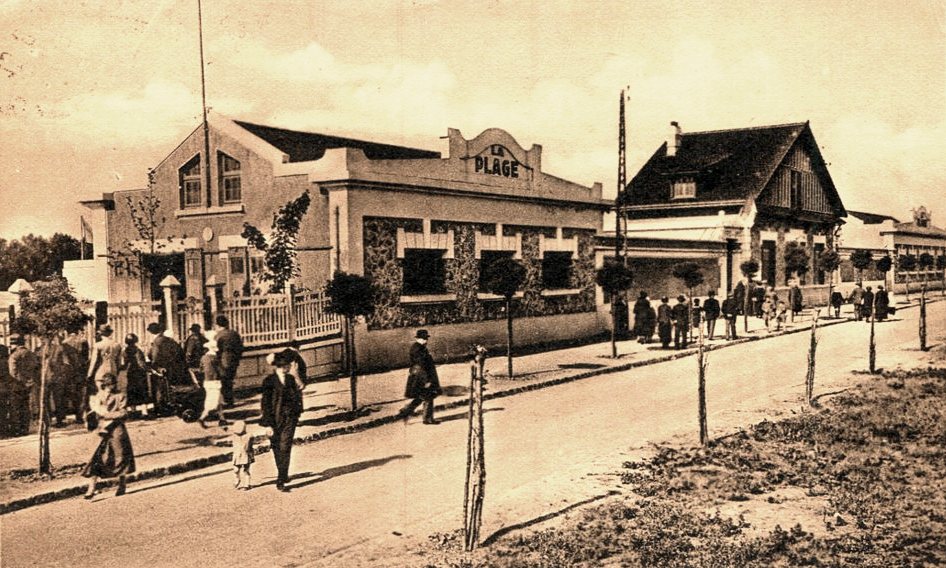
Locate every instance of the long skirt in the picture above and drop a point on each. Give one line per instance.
(213, 394)
(113, 456)
(137, 388)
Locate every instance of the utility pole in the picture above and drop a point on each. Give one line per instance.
(620, 235)
(203, 97)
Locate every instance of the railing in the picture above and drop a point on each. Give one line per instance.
(132, 317)
(275, 318)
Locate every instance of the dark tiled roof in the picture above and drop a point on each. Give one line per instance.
(306, 146)
(872, 218)
(915, 229)
(729, 164)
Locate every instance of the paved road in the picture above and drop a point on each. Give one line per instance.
(357, 498)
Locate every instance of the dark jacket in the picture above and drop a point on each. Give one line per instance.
(167, 354)
(193, 350)
(739, 295)
(681, 315)
(664, 313)
(795, 298)
(730, 307)
(281, 405)
(230, 345)
(711, 308)
(422, 380)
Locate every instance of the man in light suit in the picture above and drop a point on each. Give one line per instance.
(281, 407)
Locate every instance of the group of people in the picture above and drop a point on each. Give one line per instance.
(681, 321)
(867, 303)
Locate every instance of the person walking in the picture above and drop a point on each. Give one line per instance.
(281, 406)
(24, 367)
(114, 456)
(423, 384)
(681, 323)
(741, 298)
(242, 444)
(758, 294)
(230, 345)
(79, 388)
(193, 351)
(837, 300)
(135, 369)
(213, 383)
(59, 371)
(696, 314)
(731, 309)
(867, 308)
(167, 366)
(664, 322)
(857, 298)
(711, 310)
(795, 299)
(641, 313)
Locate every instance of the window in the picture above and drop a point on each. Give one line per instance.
(236, 265)
(796, 190)
(768, 262)
(488, 257)
(230, 187)
(190, 183)
(423, 272)
(819, 274)
(556, 270)
(683, 189)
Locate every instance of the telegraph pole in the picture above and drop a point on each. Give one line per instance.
(619, 233)
(203, 97)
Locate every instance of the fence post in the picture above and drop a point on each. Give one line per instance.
(170, 303)
(212, 286)
(291, 305)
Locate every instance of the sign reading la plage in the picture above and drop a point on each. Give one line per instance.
(497, 161)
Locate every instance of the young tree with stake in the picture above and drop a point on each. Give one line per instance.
(351, 296)
(906, 263)
(861, 259)
(615, 278)
(47, 312)
(280, 249)
(503, 278)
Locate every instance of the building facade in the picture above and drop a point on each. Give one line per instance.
(750, 192)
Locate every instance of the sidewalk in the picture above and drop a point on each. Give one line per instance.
(170, 446)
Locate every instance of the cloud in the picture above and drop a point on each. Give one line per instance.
(160, 111)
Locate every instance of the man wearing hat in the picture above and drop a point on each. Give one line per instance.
(25, 370)
(281, 406)
(167, 359)
(194, 350)
(681, 322)
(423, 385)
(105, 355)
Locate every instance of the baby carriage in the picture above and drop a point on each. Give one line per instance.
(187, 400)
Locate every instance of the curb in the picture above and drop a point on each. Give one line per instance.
(217, 459)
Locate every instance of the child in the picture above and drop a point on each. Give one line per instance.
(768, 309)
(780, 312)
(697, 317)
(242, 454)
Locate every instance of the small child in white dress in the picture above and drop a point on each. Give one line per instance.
(242, 444)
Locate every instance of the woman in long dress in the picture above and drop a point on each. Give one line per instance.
(114, 456)
(213, 384)
(132, 363)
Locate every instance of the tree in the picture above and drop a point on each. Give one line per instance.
(941, 266)
(749, 269)
(906, 263)
(46, 312)
(351, 296)
(830, 260)
(691, 275)
(614, 278)
(503, 277)
(925, 262)
(796, 259)
(883, 265)
(36, 258)
(280, 249)
(861, 259)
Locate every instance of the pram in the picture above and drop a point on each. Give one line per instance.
(187, 399)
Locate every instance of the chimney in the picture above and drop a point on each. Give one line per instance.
(673, 141)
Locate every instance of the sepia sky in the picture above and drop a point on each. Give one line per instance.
(93, 94)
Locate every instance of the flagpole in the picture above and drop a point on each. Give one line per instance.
(203, 97)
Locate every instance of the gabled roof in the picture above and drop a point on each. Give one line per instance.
(307, 146)
(729, 165)
(914, 229)
(872, 218)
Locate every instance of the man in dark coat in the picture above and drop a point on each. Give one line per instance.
(641, 314)
(167, 362)
(80, 388)
(24, 367)
(664, 321)
(881, 303)
(758, 298)
(739, 296)
(194, 351)
(230, 345)
(681, 322)
(868, 307)
(281, 407)
(711, 313)
(795, 299)
(730, 310)
(423, 385)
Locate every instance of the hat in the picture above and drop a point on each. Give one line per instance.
(105, 329)
(280, 359)
(154, 328)
(422, 334)
(238, 427)
(195, 327)
(16, 339)
(681, 298)
(131, 338)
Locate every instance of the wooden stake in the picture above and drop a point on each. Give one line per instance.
(701, 363)
(813, 346)
(923, 320)
(475, 486)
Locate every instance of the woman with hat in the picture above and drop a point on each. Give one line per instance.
(423, 385)
(213, 385)
(114, 456)
(132, 363)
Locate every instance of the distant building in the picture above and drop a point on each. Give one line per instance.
(420, 224)
(722, 197)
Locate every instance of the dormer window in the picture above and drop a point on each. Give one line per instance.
(684, 188)
(229, 184)
(190, 183)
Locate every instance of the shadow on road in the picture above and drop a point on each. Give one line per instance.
(464, 415)
(312, 478)
(176, 481)
(541, 519)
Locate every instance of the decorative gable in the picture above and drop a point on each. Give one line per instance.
(799, 184)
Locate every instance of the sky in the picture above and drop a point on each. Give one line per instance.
(92, 94)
